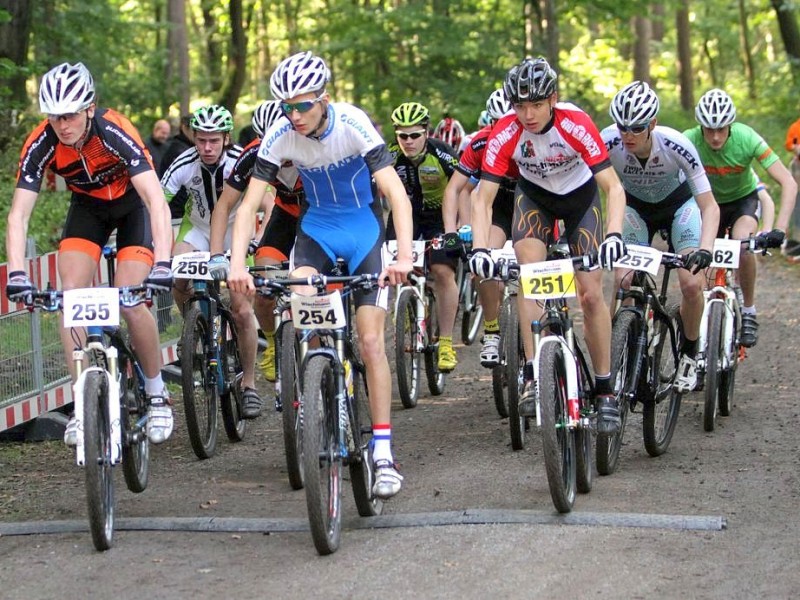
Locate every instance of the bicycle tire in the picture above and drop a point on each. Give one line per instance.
(558, 441)
(322, 461)
(663, 404)
(624, 335)
(434, 376)
(231, 400)
(407, 360)
(98, 472)
(362, 475)
(133, 409)
(499, 383)
(200, 394)
(513, 374)
(292, 412)
(714, 353)
(471, 317)
(727, 379)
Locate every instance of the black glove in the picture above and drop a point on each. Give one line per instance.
(611, 250)
(160, 277)
(452, 244)
(19, 285)
(219, 267)
(481, 263)
(698, 260)
(772, 239)
(252, 247)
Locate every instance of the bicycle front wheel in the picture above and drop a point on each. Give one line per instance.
(407, 359)
(97, 453)
(472, 313)
(322, 459)
(362, 475)
(714, 353)
(198, 384)
(661, 408)
(515, 359)
(434, 376)
(292, 411)
(727, 378)
(558, 440)
(499, 382)
(133, 409)
(231, 399)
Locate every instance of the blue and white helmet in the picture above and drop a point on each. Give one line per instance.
(66, 89)
(265, 115)
(299, 74)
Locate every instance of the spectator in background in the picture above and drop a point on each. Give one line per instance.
(792, 246)
(179, 143)
(157, 143)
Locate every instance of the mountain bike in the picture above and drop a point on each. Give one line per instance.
(719, 348)
(468, 302)
(417, 328)
(337, 424)
(109, 398)
(564, 385)
(211, 366)
(644, 353)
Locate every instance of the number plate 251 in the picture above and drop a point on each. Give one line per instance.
(548, 280)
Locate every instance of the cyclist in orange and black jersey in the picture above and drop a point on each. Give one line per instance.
(104, 162)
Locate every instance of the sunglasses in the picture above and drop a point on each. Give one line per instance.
(414, 135)
(634, 129)
(301, 107)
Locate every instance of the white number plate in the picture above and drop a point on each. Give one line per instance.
(417, 252)
(91, 306)
(506, 253)
(548, 280)
(726, 253)
(192, 265)
(640, 258)
(318, 312)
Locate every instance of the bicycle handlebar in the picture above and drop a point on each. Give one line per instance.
(273, 287)
(51, 300)
(507, 269)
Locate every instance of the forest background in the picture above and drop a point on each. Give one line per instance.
(161, 58)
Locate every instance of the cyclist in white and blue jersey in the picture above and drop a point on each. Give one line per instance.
(666, 187)
(343, 163)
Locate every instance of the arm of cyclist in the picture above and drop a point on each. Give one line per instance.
(239, 279)
(612, 247)
(19, 216)
(480, 263)
(788, 194)
(391, 187)
(451, 203)
(767, 207)
(700, 258)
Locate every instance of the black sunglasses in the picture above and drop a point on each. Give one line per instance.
(634, 129)
(414, 135)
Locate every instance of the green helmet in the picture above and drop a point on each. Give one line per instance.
(213, 118)
(410, 113)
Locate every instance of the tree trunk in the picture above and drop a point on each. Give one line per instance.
(641, 49)
(747, 55)
(14, 40)
(178, 64)
(657, 21)
(212, 45)
(237, 58)
(789, 33)
(685, 71)
(551, 26)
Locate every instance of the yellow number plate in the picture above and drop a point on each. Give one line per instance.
(548, 280)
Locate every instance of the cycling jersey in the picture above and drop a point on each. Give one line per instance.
(554, 162)
(112, 153)
(425, 182)
(728, 168)
(203, 184)
(469, 164)
(288, 187)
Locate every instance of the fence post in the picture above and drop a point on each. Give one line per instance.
(36, 324)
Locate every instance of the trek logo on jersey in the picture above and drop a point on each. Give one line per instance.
(580, 133)
(494, 145)
(681, 151)
(526, 149)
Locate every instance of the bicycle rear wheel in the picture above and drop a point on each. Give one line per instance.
(434, 376)
(98, 470)
(661, 408)
(407, 360)
(362, 475)
(558, 440)
(623, 347)
(472, 312)
(499, 380)
(198, 385)
(231, 399)
(714, 354)
(515, 359)
(322, 461)
(133, 409)
(292, 411)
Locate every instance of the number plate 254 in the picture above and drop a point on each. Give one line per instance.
(318, 312)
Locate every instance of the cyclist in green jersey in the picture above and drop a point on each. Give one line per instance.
(727, 150)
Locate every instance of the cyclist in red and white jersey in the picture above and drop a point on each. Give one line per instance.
(450, 131)
(562, 161)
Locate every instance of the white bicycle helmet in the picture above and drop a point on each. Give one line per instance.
(212, 119)
(530, 81)
(265, 115)
(497, 105)
(635, 104)
(715, 109)
(66, 89)
(299, 74)
(484, 119)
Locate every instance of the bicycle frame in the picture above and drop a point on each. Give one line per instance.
(727, 293)
(208, 297)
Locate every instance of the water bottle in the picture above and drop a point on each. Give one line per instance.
(465, 233)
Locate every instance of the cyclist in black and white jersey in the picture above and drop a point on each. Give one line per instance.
(665, 188)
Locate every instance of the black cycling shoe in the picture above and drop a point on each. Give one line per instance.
(251, 404)
(749, 335)
(527, 400)
(608, 421)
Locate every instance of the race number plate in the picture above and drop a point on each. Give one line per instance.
(417, 252)
(640, 258)
(726, 253)
(318, 312)
(548, 280)
(91, 306)
(506, 253)
(192, 265)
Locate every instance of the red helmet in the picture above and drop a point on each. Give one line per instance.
(450, 131)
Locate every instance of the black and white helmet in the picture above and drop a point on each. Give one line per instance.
(715, 109)
(299, 74)
(635, 104)
(530, 81)
(66, 89)
(497, 105)
(265, 115)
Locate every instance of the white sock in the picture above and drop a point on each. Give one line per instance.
(749, 310)
(153, 386)
(382, 443)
